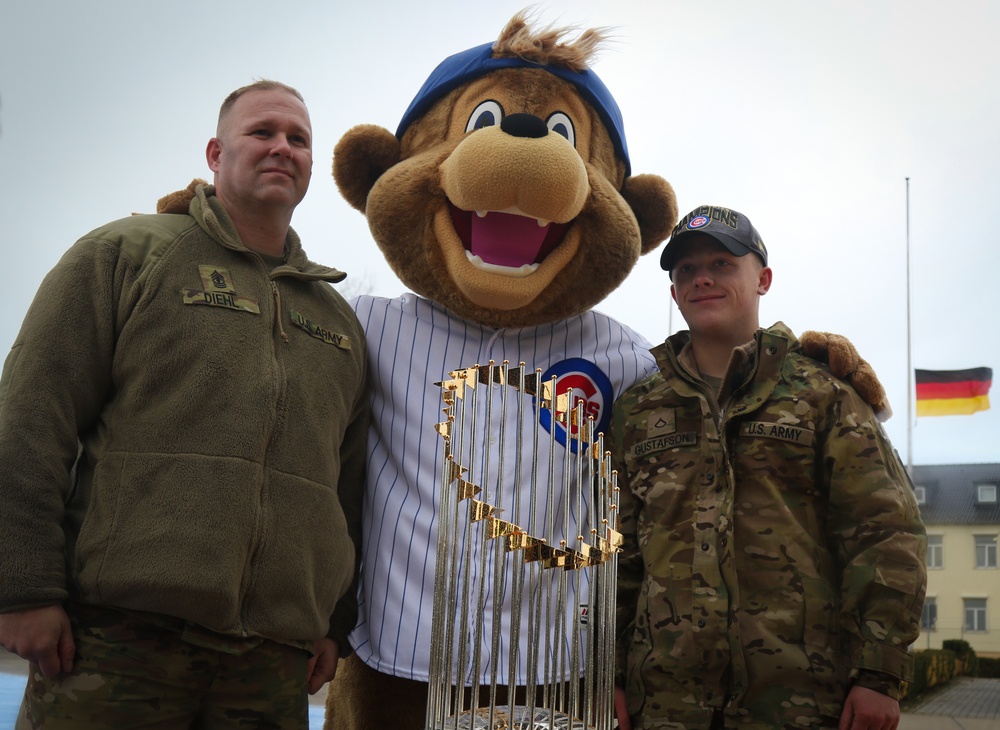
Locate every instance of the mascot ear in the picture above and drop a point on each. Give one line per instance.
(654, 204)
(360, 158)
(845, 362)
(178, 202)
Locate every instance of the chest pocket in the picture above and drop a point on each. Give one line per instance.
(777, 447)
(664, 456)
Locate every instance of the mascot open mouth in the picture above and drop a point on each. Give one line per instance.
(505, 243)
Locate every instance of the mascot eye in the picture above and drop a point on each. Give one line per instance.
(562, 125)
(487, 114)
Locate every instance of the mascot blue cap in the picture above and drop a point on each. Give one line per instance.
(479, 61)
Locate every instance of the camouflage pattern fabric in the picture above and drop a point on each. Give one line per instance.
(773, 544)
(130, 672)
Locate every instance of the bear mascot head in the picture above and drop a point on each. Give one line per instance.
(506, 193)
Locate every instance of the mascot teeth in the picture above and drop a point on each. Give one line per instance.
(542, 223)
(518, 272)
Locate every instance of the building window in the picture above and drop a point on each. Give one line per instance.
(928, 620)
(935, 551)
(986, 551)
(986, 493)
(921, 494)
(975, 614)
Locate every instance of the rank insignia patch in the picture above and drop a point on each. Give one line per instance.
(218, 290)
(217, 279)
(660, 422)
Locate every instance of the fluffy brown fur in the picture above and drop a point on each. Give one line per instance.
(518, 39)
(178, 202)
(408, 191)
(846, 363)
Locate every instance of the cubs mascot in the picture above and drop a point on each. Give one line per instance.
(506, 202)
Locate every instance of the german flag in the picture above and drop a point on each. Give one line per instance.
(953, 392)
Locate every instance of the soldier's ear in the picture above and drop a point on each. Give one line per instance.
(764, 283)
(212, 153)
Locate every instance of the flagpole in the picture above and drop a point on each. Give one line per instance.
(909, 367)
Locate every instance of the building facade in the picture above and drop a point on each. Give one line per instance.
(960, 506)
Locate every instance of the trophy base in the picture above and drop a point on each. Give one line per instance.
(517, 717)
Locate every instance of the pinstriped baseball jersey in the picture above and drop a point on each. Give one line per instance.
(412, 344)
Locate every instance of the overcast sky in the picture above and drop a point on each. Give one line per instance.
(806, 116)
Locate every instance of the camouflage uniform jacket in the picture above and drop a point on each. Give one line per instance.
(220, 405)
(773, 545)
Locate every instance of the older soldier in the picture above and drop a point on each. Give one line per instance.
(772, 573)
(193, 566)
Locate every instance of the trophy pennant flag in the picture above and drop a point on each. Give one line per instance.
(522, 635)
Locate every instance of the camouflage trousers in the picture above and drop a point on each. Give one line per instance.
(131, 673)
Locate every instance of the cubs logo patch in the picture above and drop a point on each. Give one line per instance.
(585, 383)
(699, 221)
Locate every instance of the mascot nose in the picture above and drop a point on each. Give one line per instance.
(524, 125)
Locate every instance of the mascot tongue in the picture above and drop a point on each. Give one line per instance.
(505, 239)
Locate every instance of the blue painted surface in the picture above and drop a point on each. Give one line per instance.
(12, 690)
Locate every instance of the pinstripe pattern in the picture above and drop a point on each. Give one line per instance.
(413, 343)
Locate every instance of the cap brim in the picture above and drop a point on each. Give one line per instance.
(669, 255)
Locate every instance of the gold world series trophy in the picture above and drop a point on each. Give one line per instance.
(522, 630)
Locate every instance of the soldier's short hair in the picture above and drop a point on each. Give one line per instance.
(258, 85)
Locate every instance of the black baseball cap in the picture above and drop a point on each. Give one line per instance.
(730, 228)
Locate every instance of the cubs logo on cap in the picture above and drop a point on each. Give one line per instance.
(729, 227)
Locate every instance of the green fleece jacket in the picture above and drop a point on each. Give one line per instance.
(182, 431)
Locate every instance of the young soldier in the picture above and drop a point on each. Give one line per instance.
(772, 572)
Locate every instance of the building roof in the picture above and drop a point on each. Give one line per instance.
(951, 494)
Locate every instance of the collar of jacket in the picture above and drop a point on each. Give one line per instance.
(212, 216)
(759, 360)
